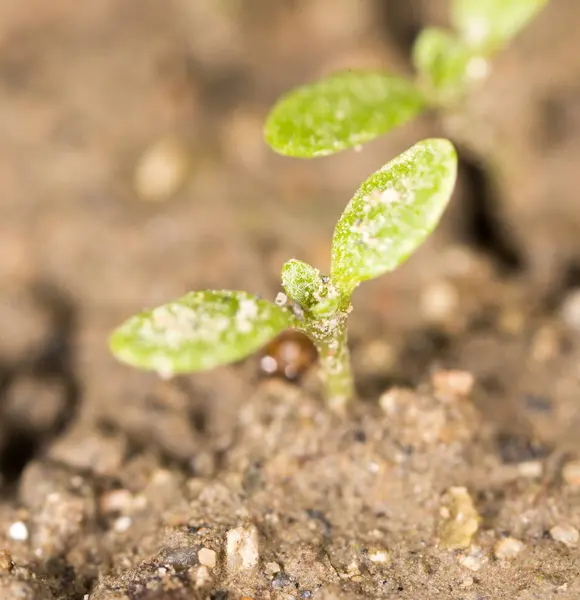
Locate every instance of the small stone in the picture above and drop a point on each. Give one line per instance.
(439, 301)
(530, 469)
(242, 548)
(395, 400)
(452, 384)
(116, 501)
(202, 576)
(376, 357)
(571, 473)
(18, 531)
(6, 564)
(570, 309)
(508, 548)
(281, 580)
(162, 170)
(207, 557)
(122, 524)
(462, 522)
(180, 558)
(467, 582)
(272, 568)
(379, 555)
(474, 560)
(565, 533)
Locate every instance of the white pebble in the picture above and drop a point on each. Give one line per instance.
(242, 548)
(453, 383)
(439, 301)
(18, 531)
(161, 170)
(272, 568)
(531, 469)
(474, 560)
(207, 557)
(570, 310)
(122, 524)
(508, 548)
(202, 576)
(565, 533)
(379, 556)
(571, 473)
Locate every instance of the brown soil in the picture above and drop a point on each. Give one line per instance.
(116, 485)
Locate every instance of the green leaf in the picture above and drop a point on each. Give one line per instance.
(443, 62)
(302, 282)
(489, 24)
(392, 213)
(198, 331)
(339, 112)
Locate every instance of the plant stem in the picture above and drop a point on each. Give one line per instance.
(336, 368)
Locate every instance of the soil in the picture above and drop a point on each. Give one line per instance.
(133, 169)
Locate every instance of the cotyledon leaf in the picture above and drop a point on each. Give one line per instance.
(339, 112)
(199, 331)
(489, 24)
(392, 213)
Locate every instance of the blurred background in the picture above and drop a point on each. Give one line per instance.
(133, 169)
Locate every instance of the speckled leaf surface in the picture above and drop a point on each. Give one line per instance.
(392, 213)
(489, 24)
(198, 331)
(339, 112)
(442, 61)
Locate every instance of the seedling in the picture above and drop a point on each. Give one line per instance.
(390, 215)
(350, 108)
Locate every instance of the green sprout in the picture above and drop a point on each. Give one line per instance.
(350, 108)
(390, 215)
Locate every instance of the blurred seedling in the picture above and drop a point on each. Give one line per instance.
(390, 215)
(350, 108)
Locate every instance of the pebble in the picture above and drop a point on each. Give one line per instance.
(207, 557)
(242, 548)
(570, 310)
(565, 533)
(161, 171)
(272, 568)
(281, 580)
(6, 564)
(376, 357)
(439, 301)
(18, 531)
(122, 524)
(461, 520)
(116, 501)
(202, 576)
(379, 555)
(530, 469)
(571, 473)
(453, 383)
(508, 548)
(474, 560)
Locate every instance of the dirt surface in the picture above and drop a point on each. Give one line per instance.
(133, 169)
